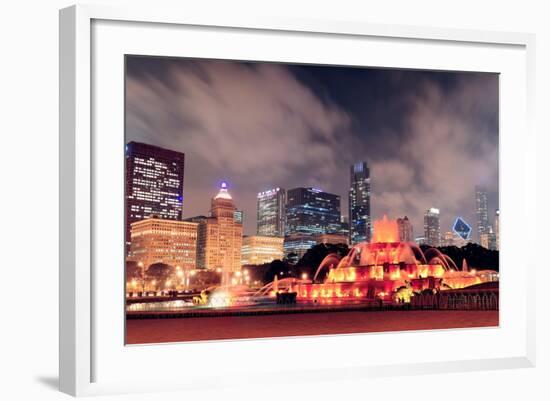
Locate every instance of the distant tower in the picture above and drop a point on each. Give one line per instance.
(271, 213)
(497, 229)
(482, 213)
(359, 203)
(405, 229)
(432, 233)
(489, 240)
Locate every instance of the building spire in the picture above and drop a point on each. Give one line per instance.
(223, 193)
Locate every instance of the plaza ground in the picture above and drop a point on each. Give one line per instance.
(262, 326)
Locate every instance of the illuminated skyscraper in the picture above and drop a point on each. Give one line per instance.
(405, 229)
(482, 213)
(497, 229)
(154, 184)
(488, 239)
(221, 235)
(309, 211)
(359, 203)
(312, 211)
(432, 233)
(271, 213)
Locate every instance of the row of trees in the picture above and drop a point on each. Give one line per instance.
(307, 265)
(159, 276)
(475, 255)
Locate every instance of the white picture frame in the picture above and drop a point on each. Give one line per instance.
(82, 345)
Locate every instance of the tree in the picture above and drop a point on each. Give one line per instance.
(160, 274)
(133, 271)
(275, 268)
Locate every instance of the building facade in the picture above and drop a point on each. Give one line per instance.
(482, 213)
(332, 238)
(432, 233)
(257, 249)
(201, 239)
(170, 242)
(489, 240)
(271, 213)
(309, 212)
(405, 229)
(297, 244)
(153, 184)
(219, 247)
(312, 211)
(448, 239)
(360, 220)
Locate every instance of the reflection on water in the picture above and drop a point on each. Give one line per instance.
(159, 306)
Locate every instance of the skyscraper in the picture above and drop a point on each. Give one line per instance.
(312, 211)
(359, 203)
(482, 213)
(405, 229)
(497, 229)
(432, 232)
(154, 184)
(488, 239)
(309, 211)
(220, 239)
(271, 213)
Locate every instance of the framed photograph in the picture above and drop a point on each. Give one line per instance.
(347, 195)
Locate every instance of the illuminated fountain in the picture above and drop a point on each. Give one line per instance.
(385, 269)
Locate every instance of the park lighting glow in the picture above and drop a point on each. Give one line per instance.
(220, 299)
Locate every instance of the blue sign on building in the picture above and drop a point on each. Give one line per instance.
(462, 229)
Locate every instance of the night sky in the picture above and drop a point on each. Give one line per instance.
(428, 137)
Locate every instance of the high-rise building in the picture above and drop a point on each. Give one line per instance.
(497, 229)
(482, 213)
(271, 213)
(170, 242)
(405, 229)
(312, 211)
(154, 184)
(219, 247)
(432, 233)
(344, 227)
(257, 250)
(489, 240)
(359, 203)
(201, 239)
(309, 211)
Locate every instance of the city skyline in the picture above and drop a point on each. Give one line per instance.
(405, 179)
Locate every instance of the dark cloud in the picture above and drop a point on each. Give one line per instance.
(429, 137)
